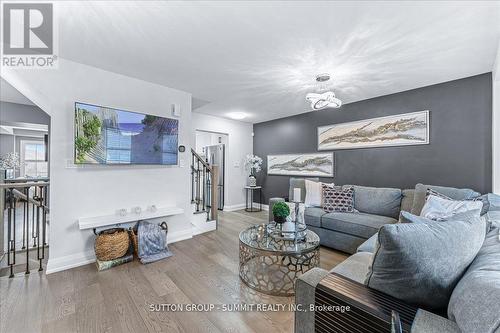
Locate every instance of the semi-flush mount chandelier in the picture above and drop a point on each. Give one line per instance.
(324, 98)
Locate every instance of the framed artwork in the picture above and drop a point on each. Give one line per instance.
(315, 164)
(396, 130)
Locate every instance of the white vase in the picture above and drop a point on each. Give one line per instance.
(252, 181)
(9, 174)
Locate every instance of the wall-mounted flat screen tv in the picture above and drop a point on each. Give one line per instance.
(105, 135)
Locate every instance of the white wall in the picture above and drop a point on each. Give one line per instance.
(240, 143)
(204, 139)
(496, 124)
(101, 190)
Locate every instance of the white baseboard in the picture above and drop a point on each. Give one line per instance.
(178, 236)
(232, 208)
(205, 227)
(71, 261)
(264, 207)
(243, 206)
(84, 258)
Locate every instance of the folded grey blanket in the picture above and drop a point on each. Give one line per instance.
(152, 240)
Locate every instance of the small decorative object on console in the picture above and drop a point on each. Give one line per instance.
(253, 165)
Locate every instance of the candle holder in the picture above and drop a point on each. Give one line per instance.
(300, 226)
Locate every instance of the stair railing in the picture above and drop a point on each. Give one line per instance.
(204, 180)
(30, 198)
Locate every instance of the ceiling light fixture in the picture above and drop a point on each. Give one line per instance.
(324, 98)
(237, 115)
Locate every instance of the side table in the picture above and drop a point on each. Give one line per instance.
(249, 194)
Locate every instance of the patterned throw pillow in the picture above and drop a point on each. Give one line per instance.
(336, 199)
(436, 194)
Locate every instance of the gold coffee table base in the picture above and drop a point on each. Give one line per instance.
(274, 266)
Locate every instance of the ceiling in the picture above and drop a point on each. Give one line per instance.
(261, 57)
(10, 94)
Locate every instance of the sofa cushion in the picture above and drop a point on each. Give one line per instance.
(428, 322)
(407, 199)
(338, 240)
(475, 301)
(312, 216)
(355, 267)
(377, 200)
(453, 193)
(358, 224)
(421, 263)
(299, 183)
(369, 245)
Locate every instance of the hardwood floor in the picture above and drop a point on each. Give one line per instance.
(202, 270)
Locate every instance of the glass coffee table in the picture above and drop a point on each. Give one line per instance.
(271, 265)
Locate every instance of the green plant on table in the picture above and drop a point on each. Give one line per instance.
(280, 211)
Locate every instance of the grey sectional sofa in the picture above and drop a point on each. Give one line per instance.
(474, 305)
(375, 207)
(346, 231)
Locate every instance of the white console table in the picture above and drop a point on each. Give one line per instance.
(108, 220)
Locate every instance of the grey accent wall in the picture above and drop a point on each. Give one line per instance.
(459, 153)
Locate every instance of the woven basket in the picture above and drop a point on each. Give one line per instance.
(135, 242)
(111, 244)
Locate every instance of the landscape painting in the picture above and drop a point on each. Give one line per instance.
(317, 165)
(397, 130)
(111, 136)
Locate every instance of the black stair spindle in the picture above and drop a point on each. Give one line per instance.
(209, 197)
(192, 178)
(204, 204)
(197, 185)
(44, 221)
(24, 223)
(45, 212)
(11, 229)
(27, 231)
(33, 231)
(38, 248)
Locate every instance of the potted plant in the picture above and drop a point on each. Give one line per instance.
(253, 165)
(280, 212)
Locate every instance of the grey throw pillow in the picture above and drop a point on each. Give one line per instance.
(421, 263)
(451, 192)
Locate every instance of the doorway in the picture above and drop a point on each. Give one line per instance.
(212, 146)
(24, 183)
